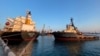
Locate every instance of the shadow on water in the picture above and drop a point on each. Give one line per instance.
(47, 46)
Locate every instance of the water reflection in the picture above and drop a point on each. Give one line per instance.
(70, 48)
(46, 46)
(74, 48)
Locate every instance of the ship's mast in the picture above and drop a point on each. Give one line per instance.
(43, 29)
(72, 22)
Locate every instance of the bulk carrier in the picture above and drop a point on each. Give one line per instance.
(19, 29)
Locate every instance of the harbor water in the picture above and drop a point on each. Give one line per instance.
(47, 46)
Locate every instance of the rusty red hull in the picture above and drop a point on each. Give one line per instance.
(62, 36)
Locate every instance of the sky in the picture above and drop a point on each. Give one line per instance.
(54, 13)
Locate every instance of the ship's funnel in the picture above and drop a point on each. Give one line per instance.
(28, 18)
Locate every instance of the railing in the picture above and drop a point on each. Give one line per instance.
(6, 49)
(26, 51)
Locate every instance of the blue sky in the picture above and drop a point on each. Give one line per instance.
(54, 13)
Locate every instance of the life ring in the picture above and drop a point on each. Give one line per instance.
(7, 23)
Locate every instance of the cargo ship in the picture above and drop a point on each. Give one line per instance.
(19, 29)
(71, 33)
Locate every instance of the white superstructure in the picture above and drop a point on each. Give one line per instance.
(20, 23)
(71, 28)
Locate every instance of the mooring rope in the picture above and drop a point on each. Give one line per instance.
(25, 49)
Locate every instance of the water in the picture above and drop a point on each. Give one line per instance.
(46, 46)
(1, 51)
